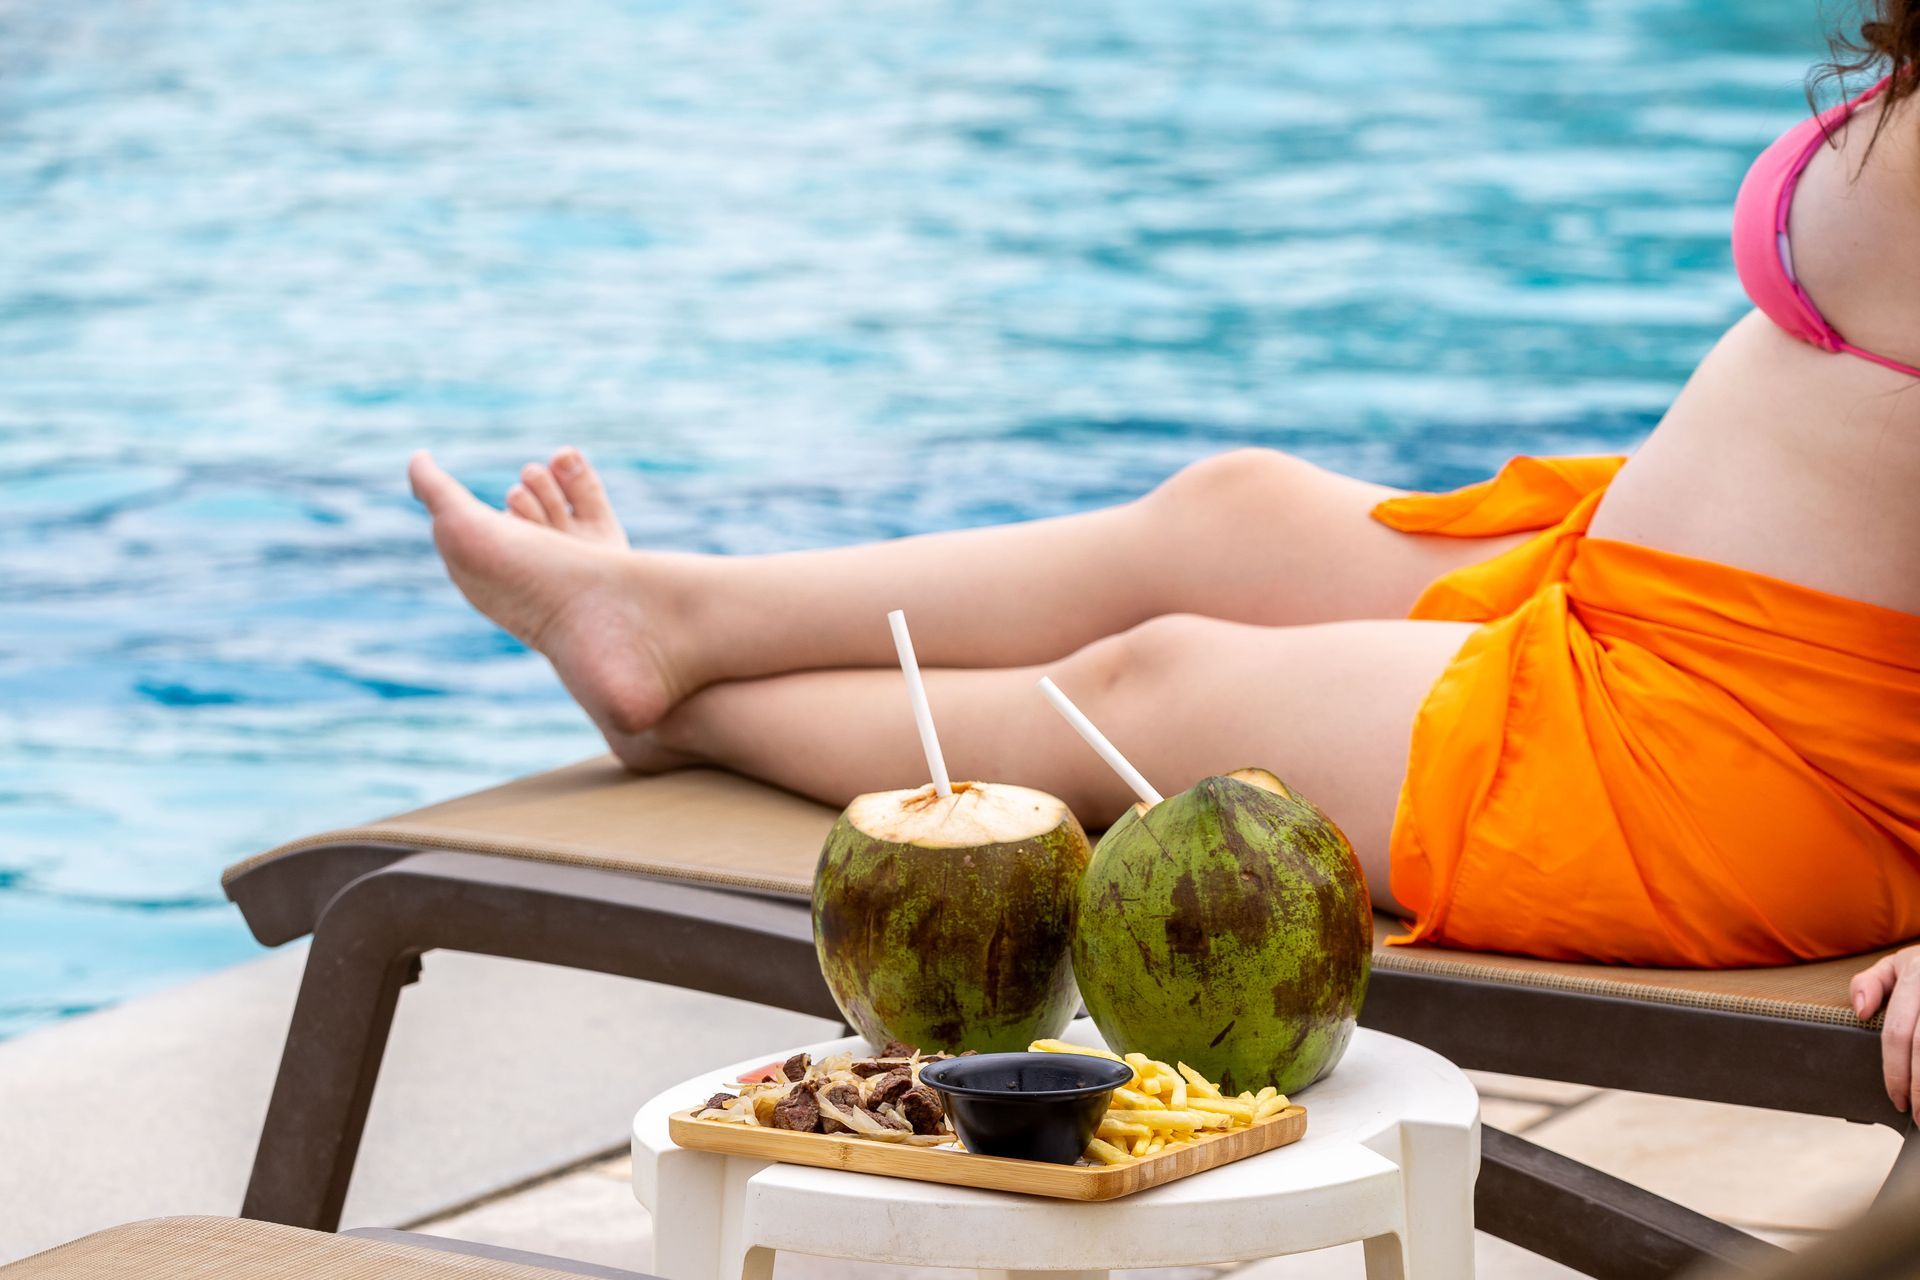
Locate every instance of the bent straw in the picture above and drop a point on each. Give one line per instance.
(917, 695)
(1098, 741)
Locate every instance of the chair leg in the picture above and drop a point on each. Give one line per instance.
(371, 935)
(327, 1072)
(1906, 1163)
(1593, 1222)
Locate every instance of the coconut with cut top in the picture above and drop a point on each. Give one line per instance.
(946, 921)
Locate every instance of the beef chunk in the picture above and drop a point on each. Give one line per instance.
(799, 1110)
(720, 1099)
(888, 1088)
(898, 1049)
(864, 1067)
(846, 1096)
(795, 1068)
(923, 1109)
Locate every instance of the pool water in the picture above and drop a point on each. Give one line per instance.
(796, 272)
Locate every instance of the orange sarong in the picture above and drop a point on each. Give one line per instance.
(1649, 759)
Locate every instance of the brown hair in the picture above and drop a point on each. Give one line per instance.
(1888, 41)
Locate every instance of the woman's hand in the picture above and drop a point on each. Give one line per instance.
(1896, 980)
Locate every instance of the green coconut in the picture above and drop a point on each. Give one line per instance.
(947, 922)
(1227, 927)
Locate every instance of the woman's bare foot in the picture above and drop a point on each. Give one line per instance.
(645, 753)
(566, 494)
(562, 582)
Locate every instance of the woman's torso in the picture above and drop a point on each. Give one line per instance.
(1791, 461)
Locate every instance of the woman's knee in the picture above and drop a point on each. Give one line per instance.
(1137, 658)
(1232, 482)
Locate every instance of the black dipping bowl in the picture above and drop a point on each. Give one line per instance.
(1030, 1106)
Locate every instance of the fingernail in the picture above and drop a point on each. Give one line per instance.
(566, 462)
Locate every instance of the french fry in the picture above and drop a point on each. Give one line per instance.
(1157, 1120)
(1113, 1130)
(1240, 1111)
(1139, 1101)
(1277, 1103)
(1106, 1153)
(1199, 1083)
(1162, 1120)
(1178, 1098)
(1061, 1046)
(1144, 1078)
(1140, 1146)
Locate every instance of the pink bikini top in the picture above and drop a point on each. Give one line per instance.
(1761, 251)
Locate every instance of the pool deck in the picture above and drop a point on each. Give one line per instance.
(508, 1088)
(497, 1072)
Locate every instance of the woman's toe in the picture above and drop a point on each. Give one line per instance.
(541, 483)
(523, 504)
(588, 497)
(439, 491)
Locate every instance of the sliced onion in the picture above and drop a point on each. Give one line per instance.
(857, 1120)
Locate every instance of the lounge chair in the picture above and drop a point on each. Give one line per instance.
(235, 1249)
(700, 879)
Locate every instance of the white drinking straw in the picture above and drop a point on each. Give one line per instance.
(1098, 741)
(917, 695)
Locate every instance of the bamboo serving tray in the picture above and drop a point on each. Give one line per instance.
(958, 1168)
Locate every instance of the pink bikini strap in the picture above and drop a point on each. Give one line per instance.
(1895, 365)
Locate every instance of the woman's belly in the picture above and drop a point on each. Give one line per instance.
(1785, 460)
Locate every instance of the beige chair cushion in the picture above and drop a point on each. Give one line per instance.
(237, 1249)
(712, 827)
(1816, 992)
(700, 825)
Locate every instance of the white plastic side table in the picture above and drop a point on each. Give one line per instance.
(1390, 1155)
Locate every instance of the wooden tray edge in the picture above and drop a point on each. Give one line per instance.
(1065, 1182)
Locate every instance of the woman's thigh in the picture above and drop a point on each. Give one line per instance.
(1283, 542)
(1328, 707)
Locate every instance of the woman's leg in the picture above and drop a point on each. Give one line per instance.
(1251, 536)
(1328, 707)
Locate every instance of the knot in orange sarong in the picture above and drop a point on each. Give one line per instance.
(1649, 759)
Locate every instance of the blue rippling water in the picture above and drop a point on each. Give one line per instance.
(797, 272)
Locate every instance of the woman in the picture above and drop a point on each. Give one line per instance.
(1659, 713)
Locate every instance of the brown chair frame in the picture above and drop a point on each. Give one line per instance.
(374, 909)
